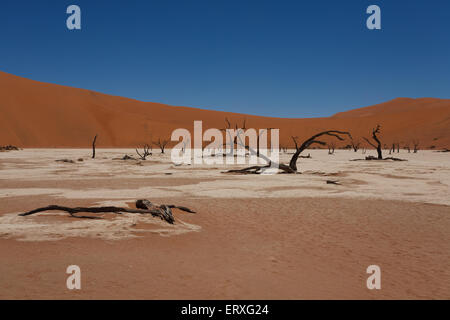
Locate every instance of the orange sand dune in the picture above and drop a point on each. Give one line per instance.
(35, 114)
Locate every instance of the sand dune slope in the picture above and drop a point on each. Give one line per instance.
(35, 114)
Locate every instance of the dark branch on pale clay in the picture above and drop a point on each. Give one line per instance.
(143, 207)
(311, 141)
(93, 146)
(147, 152)
(375, 138)
(292, 167)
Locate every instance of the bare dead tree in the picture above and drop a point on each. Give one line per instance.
(145, 153)
(294, 138)
(416, 145)
(355, 145)
(312, 140)
(331, 147)
(407, 147)
(395, 146)
(378, 148)
(93, 146)
(260, 133)
(162, 143)
(292, 167)
(183, 149)
(231, 141)
(229, 137)
(378, 143)
(142, 207)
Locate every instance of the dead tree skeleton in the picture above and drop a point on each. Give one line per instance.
(292, 167)
(407, 147)
(93, 146)
(162, 144)
(146, 152)
(416, 145)
(355, 145)
(258, 138)
(312, 140)
(231, 140)
(378, 146)
(331, 146)
(142, 207)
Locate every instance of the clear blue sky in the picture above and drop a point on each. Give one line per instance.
(276, 58)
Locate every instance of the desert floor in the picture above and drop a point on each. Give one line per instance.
(253, 236)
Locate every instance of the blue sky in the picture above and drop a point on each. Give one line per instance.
(275, 58)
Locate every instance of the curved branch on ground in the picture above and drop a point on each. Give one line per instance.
(143, 207)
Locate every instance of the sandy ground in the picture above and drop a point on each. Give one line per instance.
(253, 237)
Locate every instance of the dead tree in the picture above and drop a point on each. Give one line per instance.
(262, 131)
(295, 141)
(355, 145)
(306, 144)
(142, 207)
(416, 145)
(232, 141)
(407, 147)
(185, 143)
(375, 138)
(292, 167)
(93, 146)
(146, 152)
(162, 144)
(331, 147)
(392, 150)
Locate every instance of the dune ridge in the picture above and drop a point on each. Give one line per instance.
(41, 115)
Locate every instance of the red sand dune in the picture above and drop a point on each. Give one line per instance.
(36, 114)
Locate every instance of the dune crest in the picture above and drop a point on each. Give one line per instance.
(42, 115)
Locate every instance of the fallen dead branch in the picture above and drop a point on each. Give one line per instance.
(125, 157)
(9, 148)
(65, 160)
(376, 159)
(143, 206)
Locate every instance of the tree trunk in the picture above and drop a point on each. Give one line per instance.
(93, 147)
(380, 154)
